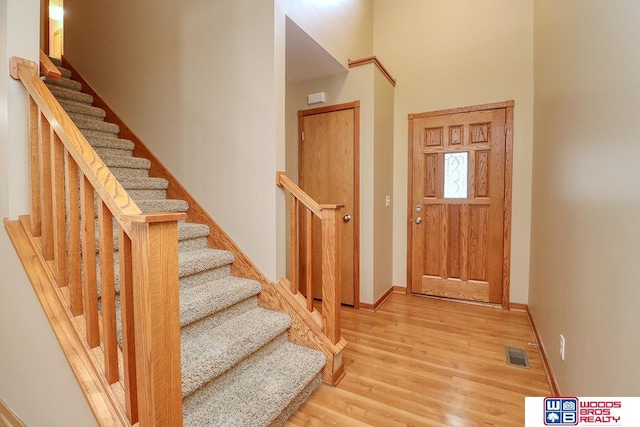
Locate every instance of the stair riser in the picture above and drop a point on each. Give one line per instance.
(217, 319)
(192, 244)
(96, 125)
(184, 244)
(65, 73)
(65, 83)
(99, 133)
(122, 173)
(84, 109)
(114, 143)
(71, 95)
(83, 116)
(154, 206)
(148, 206)
(147, 194)
(206, 276)
(104, 151)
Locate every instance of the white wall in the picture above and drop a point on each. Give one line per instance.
(35, 379)
(343, 28)
(457, 53)
(195, 81)
(586, 198)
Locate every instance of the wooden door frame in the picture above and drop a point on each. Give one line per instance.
(508, 175)
(355, 106)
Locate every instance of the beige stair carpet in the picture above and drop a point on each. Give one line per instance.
(238, 369)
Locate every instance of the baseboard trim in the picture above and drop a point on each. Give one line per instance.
(376, 305)
(518, 306)
(8, 418)
(551, 378)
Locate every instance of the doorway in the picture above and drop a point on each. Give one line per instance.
(328, 153)
(52, 27)
(459, 236)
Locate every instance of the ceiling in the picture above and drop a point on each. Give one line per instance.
(306, 59)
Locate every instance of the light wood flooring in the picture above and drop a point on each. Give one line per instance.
(429, 362)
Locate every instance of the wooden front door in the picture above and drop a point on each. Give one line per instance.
(457, 204)
(327, 165)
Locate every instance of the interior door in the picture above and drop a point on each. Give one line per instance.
(328, 139)
(457, 204)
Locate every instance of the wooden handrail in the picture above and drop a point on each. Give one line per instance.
(91, 165)
(282, 180)
(65, 173)
(47, 68)
(330, 268)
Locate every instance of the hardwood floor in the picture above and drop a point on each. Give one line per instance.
(429, 362)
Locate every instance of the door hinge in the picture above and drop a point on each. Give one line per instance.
(505, 130)
(302, 136)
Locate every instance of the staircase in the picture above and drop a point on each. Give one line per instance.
(238, 367)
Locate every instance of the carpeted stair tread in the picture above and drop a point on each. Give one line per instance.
(256, 395)
(162, 205)
(79, 108)
(71, 95)
(144, 183)
(88, 133)
(56, 61)
(197, 261)
(226, 345)
(212, 297)
(238, 369)
(115, 143)
(66, 83)
(192, 230)
(94, 124)
(65, 73)
(127, 162)
(186, 231)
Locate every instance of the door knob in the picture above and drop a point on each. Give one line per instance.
(346, 218)
(418, 220)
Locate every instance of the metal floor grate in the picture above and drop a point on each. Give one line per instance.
(517, 357)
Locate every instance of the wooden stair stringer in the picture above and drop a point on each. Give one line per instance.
(304, 330)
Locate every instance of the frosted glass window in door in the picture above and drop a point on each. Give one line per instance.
(455, 175)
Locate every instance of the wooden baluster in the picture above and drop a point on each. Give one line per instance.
(89, 284)
(34, 168)
(59, 217)
(331, 275)
(293, 243)
(128, 329)
(73, 217)
(309, 257)
(107, 285)
(45, 131)
(154, 239)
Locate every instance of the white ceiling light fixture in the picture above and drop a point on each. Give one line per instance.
(56, 13)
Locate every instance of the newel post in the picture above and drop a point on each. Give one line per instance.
(331, 277)
(154, 249)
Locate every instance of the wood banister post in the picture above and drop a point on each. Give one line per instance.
(154, 240)
(331, 243)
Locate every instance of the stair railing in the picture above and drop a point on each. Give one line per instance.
(303, 206)
(141, 380)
